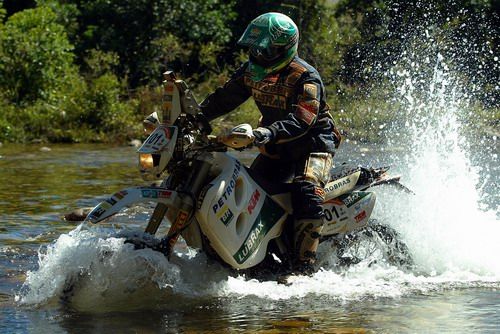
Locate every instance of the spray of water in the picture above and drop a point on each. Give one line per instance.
(443, 223)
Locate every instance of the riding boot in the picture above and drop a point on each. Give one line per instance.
(306, 241)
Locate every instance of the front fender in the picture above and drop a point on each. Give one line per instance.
(127, 197)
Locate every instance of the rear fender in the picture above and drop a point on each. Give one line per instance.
(129, 196)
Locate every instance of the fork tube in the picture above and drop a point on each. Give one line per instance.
(156, 218)
(158, 214)
(187, 205)
(199, 175)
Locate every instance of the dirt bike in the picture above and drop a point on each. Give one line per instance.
(225, 209)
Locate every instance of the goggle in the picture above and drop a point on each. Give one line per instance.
(265, 56)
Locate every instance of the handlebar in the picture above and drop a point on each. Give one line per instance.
(239, 137)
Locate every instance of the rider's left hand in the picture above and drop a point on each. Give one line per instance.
(262, 136)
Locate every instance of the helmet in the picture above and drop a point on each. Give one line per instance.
(272, 39)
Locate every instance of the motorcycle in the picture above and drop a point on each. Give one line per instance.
(238, 218)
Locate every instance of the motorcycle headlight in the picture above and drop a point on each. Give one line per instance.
(146, 161)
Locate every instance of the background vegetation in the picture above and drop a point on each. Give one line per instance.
(88, 71)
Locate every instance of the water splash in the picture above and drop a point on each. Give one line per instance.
(95, 270)
(443, 224)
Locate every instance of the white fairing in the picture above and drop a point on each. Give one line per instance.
(237, 216)
(348, 213)
(161, 141)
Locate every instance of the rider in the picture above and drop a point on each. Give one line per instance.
(296, 134)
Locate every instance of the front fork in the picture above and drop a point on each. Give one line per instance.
(184, 210)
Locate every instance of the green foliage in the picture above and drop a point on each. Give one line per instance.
(3, 13)
(36, 56)
(150, 36)
(89, 70)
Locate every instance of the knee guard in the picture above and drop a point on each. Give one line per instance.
(315, 169)
(307, 192)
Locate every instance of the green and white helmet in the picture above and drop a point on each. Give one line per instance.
(272, 39)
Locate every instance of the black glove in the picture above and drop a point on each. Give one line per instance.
(262, 136)
(202, 123)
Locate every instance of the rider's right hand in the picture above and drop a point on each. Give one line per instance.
(262, 136)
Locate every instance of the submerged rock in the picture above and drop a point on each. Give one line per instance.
(77, 215)
(135, 143)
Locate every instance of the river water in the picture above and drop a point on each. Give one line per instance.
(451, 226)
(455, 287)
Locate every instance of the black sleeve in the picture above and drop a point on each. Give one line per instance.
(303, 114)
(226, 98)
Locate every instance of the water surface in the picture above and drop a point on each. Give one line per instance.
(455, 288)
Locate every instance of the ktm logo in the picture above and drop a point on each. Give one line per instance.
(253, 201)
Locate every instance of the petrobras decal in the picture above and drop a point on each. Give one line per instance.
(155, 193)
(268, 216)
(337, 184)
(229, 188)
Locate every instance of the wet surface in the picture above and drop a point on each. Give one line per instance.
(40, 186)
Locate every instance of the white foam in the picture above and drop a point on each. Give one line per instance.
(443, 223)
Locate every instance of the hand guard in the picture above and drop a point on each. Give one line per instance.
(262, 136)
(202, 123)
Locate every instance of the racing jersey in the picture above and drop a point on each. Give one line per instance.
(292, 103)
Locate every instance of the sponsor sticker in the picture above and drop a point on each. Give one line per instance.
(97, 212)
(155, 193)
(268, 216)
(169, 87)
(354, 197)
(111, 201)
(121, 194)
(319, 191)
(253, 201)
(337, 185)
(229, 189)
(105, 205)
(307, 110)
(312, 106)
(226, 216)
(264, 86)
(360, 216)
(310, 90)
(269, 100)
